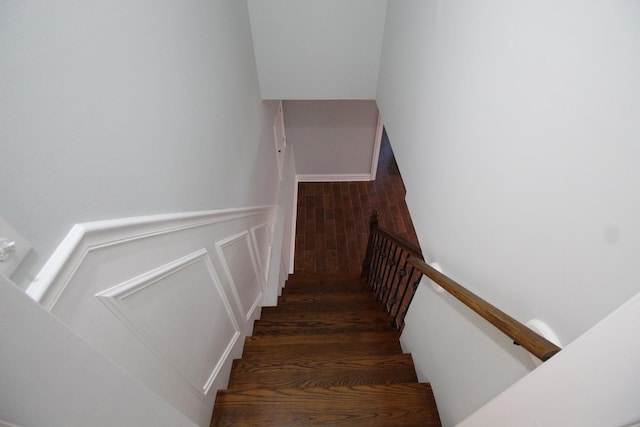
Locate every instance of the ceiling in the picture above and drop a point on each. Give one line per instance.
(317, 49)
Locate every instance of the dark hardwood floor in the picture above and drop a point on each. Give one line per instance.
(333, 217)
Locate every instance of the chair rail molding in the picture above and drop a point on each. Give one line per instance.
(83, 238)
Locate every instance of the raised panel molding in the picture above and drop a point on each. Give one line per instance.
(262, 246)
(116, 298)
(54, 277)
(165, 311)
(234, 253)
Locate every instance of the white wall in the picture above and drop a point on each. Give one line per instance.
(50, 376)
(309, 49)
(332, 138)
(594, 382)
(516, 126)
(116, 109)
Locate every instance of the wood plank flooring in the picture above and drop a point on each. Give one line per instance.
(332, 223)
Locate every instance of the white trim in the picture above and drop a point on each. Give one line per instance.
(377, 143)
(220, 245)
(264, 269)
(278, 123)
(56, 274)
(334, 177)
(113, 297)
(294, 220)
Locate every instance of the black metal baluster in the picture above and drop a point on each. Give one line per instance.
(382, 255)
(393, 274)
(388, 265)
(411, 277)
(412, 284)
(375, 248)
(402, 288)
(393, 296)
(373, 228)
(374, 260)
(411, 295)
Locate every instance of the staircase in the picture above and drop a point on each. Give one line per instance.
(326, 355)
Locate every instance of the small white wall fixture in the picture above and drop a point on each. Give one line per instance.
(166, 297)
(279, 136)
(13, 248)
(544, 330)
(439, 289)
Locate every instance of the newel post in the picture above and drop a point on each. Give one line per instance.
(373, 225)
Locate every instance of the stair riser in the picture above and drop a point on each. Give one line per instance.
(336, 289)
(322, 307)
(318, 327)
(326, 373)
(376, 405)
(286, 353)
(325, 278)
(327, 297)
(346, 315)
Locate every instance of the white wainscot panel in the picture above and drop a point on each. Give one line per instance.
(180, 312)
(239, 263)
(262, 246)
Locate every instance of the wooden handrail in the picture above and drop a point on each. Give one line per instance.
(535, 344)
(374, 227)
(412, 248)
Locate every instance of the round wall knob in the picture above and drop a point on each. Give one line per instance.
(6, 247)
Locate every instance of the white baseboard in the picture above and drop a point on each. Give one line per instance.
(334, 177)
(294, 219)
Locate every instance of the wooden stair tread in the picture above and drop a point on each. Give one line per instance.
(323, 297)
(324, 324)
(276, 347)
(324, 278)
(394, 405)
(305, 316)
(327, 354)
(326, 283)
(330, 370)
(320, 302)
(336, 288)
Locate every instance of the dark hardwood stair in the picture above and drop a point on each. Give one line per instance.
(317, 371)
(326, 355)
(322, 323)
(288, 347)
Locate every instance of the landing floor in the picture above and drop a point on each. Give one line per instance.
(333, 217)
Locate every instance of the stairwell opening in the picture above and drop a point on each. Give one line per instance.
(332, 223)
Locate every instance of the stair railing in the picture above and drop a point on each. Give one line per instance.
(393, 268)
(387, 270)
